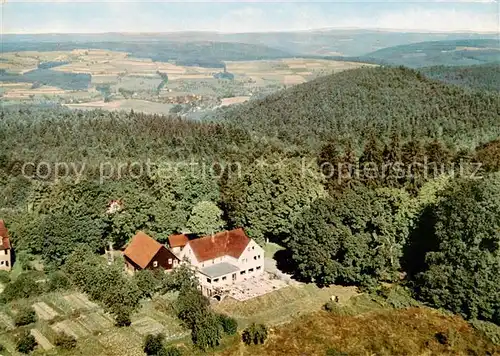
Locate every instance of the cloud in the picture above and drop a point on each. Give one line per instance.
(136, 16)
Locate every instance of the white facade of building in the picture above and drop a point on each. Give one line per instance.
(221, 272)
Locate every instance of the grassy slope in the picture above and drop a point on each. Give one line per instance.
(384, 332)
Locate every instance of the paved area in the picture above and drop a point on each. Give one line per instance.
(255, 287)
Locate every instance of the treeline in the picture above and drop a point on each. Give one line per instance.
(483, 77)
(67, 81)
(444, 243)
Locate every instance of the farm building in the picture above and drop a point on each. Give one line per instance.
(144, 252)
(5, 248)
(177, 242)
(223, 259)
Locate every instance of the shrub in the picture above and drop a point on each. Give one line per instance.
(26, 315)
(229, 325)
(397, 297)
(4, 277)
(2, 348)
(26, 343)
(333, 352)
(255, 334)
(122, 318)
(58, 281)
(24, 286)
(172, 351)
(490, 330)
(153, 344)
(65, 341)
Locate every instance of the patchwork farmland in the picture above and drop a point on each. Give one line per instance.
(111, 80)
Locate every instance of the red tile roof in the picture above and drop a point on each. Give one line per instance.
(142, 249)
(4, 235)
(180, 240)
(227, 243)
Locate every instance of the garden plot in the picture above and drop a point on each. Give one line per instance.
(41, 339)
(95, 322)
(72, 328)
(79, 301)
(6, 322)
(147, 325)
(43, 311)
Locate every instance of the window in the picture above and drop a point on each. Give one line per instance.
(209, 280)
(1, 263)
(7, 263)
(258, 268)
(169, 261)
(254, 257)
(250, 270)
(155, 263)
(224, 278)
(253, 247)
(243, 272)
(216, 280)
(5, 252)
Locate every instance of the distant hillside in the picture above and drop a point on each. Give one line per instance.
(321, 42)
(203, 54)
(484, 77)
(380, 100)
(450, 53)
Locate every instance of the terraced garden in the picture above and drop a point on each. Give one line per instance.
(74, 314)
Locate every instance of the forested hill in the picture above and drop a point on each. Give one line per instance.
(485, 77)
(358, 102)
(452, 52)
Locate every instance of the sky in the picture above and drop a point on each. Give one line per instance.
(98, 16)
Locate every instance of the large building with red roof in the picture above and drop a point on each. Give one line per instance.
(5, 248)
(222, 259)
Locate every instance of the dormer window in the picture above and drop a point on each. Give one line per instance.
(155, 264)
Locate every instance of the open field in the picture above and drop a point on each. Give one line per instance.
(85, 78)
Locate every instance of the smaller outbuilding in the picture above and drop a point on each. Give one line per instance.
(144, 252)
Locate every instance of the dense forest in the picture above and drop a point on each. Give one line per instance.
(360, 102)
(366, 176)
(462, 52)
(485, 77)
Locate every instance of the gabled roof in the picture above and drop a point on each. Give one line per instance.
(180, 240)
(142, 249)
(4, 236)
(227, 243)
